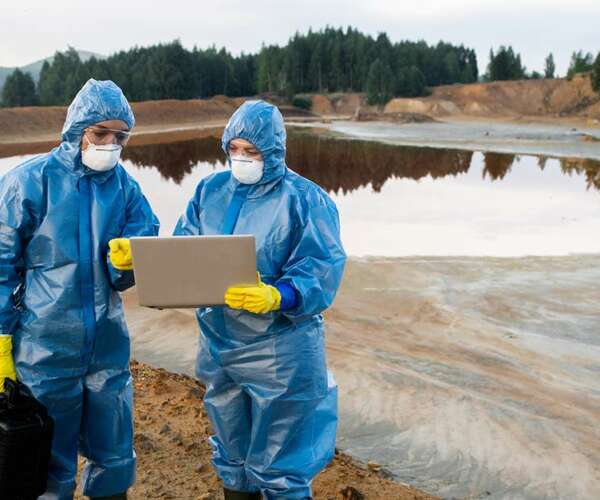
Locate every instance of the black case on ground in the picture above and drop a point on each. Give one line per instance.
(26, 432)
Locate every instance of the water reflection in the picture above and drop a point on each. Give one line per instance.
(347, 165)
(339, 165)
(497, 165)
(589, 168)
(407, 200)
(175, 160)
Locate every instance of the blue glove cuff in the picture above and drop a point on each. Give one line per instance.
(289, 298)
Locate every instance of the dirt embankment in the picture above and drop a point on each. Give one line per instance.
(36, 129)
(557, 99)
(174, 456)
(19, 122)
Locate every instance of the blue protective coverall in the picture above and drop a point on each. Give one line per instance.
(59, 300)
(270, 398)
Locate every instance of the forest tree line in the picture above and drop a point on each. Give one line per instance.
(326, 61)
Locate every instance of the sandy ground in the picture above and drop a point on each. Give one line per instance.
(174, 456)
(466, 377)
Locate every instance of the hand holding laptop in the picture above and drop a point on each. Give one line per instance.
(257, 299)
(120, 254)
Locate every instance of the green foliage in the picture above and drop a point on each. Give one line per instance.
(301, 101)
(380, 83)
(164, 71)
(580, 63)
(333, 60)
(330, 60)
(596, 74)
(411, 83)
(505, 65)
(19, 90)
(550, 67)
(60, 81)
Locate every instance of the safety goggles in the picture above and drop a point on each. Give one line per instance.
(100, 136)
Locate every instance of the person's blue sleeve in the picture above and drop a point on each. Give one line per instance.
(13, 220)
(289, 299)
(316, 263)
(140, 221)
(189, 222)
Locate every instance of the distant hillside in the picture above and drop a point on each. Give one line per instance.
(35, 67)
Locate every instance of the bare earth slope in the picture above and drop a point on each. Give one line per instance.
(174, 456)
(523, 98)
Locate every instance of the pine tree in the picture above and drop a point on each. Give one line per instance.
(580, 63)
(62, 79)
(19, 90)
(505, 65)
(416, 82)
(596, 74)
(452, 68)
(472, 64)
(380, 83)
(264, 79)
(315, 70)
(550, 67)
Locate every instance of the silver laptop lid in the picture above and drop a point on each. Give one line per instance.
(191, 271)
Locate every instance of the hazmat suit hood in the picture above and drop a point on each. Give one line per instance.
(261, 124)
(97, 101)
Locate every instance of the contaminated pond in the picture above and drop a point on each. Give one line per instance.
(466, 335)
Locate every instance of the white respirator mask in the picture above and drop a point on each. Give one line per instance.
(101, 158)
(246, 170)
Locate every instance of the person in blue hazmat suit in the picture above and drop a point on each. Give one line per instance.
(63, 259)
(270, 399)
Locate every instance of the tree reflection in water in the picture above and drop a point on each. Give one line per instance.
(175, 160)
(340, 165)
(589, 168)
(497, 165)
(346, 165)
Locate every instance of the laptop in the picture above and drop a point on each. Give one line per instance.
(191, 271)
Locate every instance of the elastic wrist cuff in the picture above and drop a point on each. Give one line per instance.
(289, 297)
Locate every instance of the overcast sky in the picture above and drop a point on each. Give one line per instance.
(31, 30)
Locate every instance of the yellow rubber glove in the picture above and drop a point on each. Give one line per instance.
(259, 299)
(120, 254)
(7, 365)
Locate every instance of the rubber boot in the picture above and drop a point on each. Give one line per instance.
(118, 496)
(241, 495)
